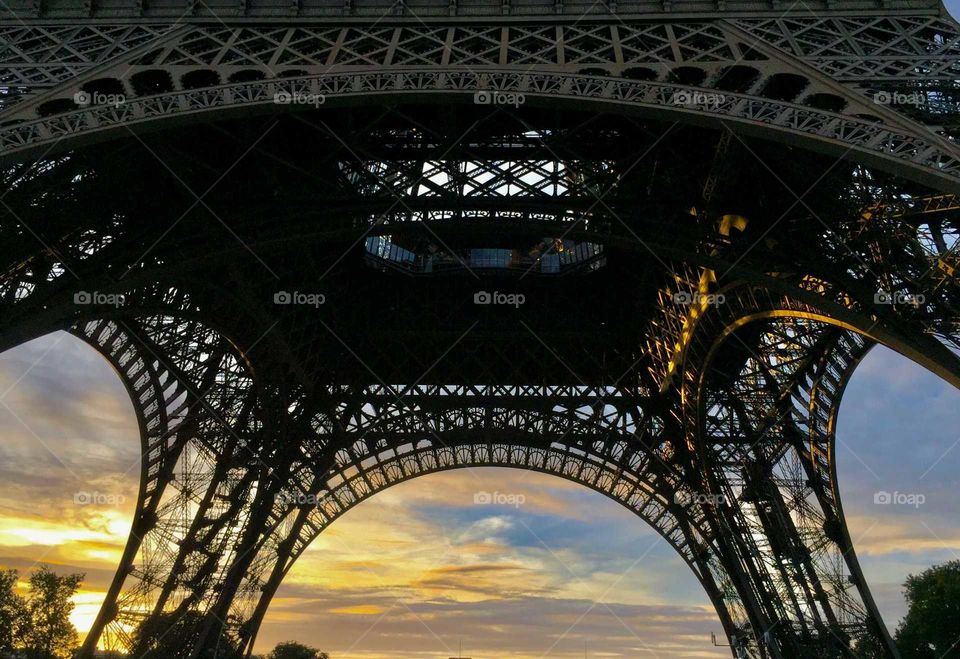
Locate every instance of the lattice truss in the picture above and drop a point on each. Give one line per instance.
(456, 179)
(799, 74)
(760, 444)
(866, 48)
(850, 48)
(558, 193)
(41, 57)
(765, 429)
(189, 387)
(913, 258)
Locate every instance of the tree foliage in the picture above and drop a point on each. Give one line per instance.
(49, 632)
(931, 628)
(38, 626)
(12, 611)
(869, 644)
(294, 650)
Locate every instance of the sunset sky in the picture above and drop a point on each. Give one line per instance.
(420, 568)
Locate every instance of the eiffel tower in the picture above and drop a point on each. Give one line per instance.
(332, 245)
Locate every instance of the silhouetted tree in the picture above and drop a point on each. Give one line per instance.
(48, 632)
(294, 650)
(931, 628)
(870, 644)
(12, 612)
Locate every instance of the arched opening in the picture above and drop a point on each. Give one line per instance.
(104, 87)
(200, 79)
(292, 73)
(640, 73)
(501, 559)
(156, 81)
(247, 75)
(784, 86)
(56, 106)
(687, 75)
(594, 71)
(826, 102)
(897, 460)
(69, 465)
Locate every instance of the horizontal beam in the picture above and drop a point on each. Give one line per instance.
(414, 10)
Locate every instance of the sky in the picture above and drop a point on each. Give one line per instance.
(419, 568)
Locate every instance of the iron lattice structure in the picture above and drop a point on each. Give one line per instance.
(289, 227)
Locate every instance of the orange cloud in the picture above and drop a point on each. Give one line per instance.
(358, 610)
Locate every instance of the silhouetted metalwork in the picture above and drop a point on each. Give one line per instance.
(332, 246)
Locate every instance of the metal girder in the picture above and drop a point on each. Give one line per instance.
(772, 76)
(187, 386)
(760, 416)
(325, 9)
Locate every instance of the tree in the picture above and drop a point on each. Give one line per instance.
(48, 632)
(869, 644)
(294, 650)
(12, 611)
(931, 628)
